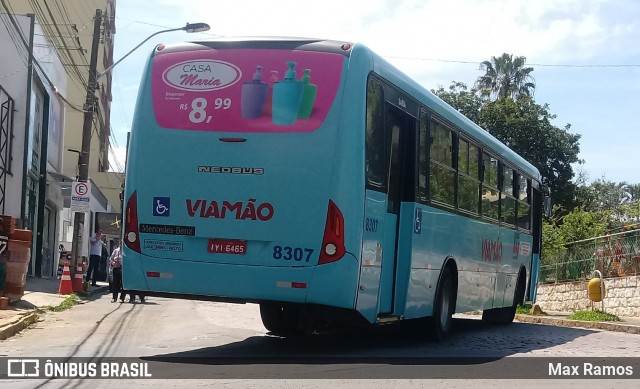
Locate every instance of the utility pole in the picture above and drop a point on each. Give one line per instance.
(83, 159)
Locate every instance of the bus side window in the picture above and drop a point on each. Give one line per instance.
(468, 183)
(524, 203)
(423, 162)
(375, 153)
(507, 198)
(441, 169)
(490, 193)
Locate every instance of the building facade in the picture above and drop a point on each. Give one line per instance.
(32, 79)
(43, 93)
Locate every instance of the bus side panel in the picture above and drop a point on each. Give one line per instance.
(483, 282)
(516, 254)
(133, 275)
(421, 293)
(372, 252)
(335, 284)
(369, 285)
(504, 296)
(503, 280)
(533, 278)
(410, 227)
(442, 235)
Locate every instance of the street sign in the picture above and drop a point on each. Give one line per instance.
(80, 197)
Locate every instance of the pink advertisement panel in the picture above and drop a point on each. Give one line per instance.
(244, 90)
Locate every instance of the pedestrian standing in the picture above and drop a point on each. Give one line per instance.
(95, 254)
(115, 263)
(132, 297)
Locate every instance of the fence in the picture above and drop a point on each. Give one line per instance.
(615, 255)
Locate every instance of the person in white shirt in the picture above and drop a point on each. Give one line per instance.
(95, 254)
(115, 263)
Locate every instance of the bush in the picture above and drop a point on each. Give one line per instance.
(593, 316)
(523, 309)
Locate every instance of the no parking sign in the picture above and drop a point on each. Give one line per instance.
(80, 196)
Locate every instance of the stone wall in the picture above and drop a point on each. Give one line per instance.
(622, 296)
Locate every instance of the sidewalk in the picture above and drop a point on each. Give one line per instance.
(630, 325)
(39, 292)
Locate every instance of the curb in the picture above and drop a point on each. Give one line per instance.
(18, 325)
(95, 290)
(600, 325)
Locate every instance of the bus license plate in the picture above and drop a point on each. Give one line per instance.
(227, 246)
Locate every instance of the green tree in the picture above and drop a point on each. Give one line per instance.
(634, 191)
(526, 128)
(552, 244)
(580, 224)
(619, 199)
(505, 76)
(466, 101)
(631, 211)
(574, 226)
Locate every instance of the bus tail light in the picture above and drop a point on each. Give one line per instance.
(131, 232)
(333, 241)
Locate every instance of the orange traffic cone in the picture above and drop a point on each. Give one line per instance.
(77, 279)
(65, 281)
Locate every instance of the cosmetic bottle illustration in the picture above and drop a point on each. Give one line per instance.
(254, 95)
(308, 96)
(269, 102)
(287, 95)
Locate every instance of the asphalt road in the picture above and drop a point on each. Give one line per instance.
(191, 344)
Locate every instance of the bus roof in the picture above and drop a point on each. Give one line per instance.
(285, 43)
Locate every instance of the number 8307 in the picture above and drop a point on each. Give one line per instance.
(297, 254)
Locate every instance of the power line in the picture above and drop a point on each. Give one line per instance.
(57, 37)
(586, 66)
(35, 61)
(115, 160)
(529, 64)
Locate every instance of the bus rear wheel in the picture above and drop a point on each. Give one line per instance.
(439, 325)
(280, 319)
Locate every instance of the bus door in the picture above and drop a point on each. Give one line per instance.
(536, 229)
(400, 131)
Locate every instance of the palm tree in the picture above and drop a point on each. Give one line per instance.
(634, 191)
(506, 76)
(624, 192)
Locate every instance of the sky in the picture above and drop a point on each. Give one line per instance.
(585, 54)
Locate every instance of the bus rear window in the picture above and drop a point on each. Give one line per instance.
(244, 90)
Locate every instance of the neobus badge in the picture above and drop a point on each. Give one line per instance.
(202, 75)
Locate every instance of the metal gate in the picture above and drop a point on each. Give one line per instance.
(7, 105)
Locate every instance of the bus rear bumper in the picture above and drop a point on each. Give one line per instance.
(332, 284)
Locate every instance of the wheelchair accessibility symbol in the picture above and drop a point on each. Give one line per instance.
(417, 222)
(161, 206)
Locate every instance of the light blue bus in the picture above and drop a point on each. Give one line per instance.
(317, 180)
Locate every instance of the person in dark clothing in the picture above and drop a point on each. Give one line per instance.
(95, 253)
(115, 263)
(132, 297)
(103, 267)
